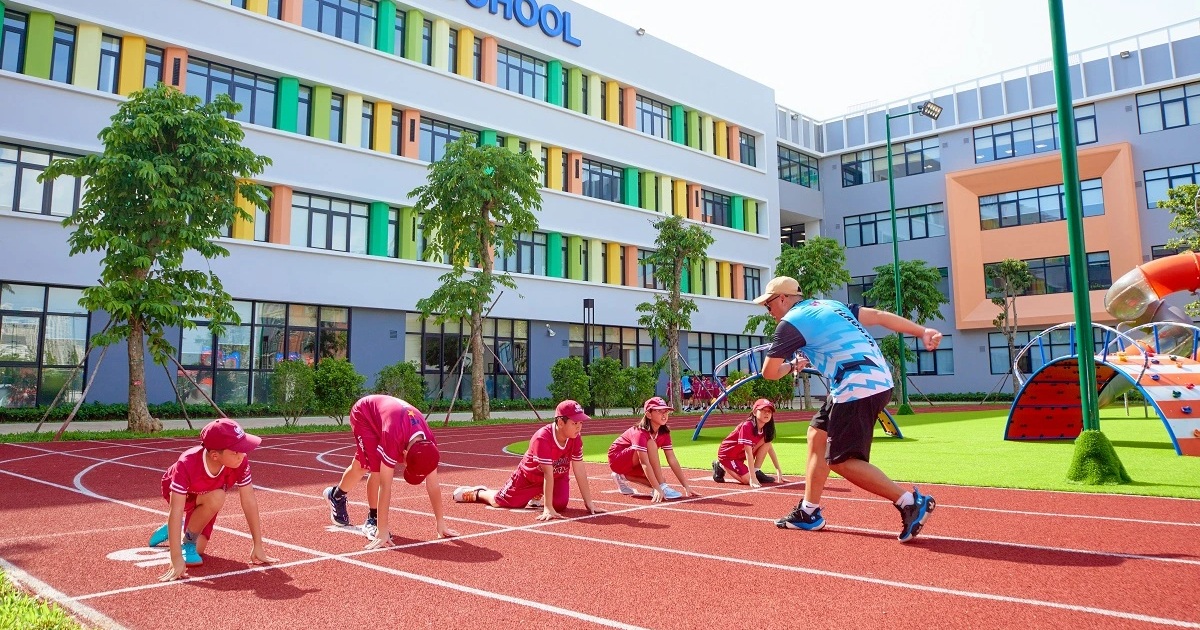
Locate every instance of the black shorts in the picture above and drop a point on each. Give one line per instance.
(850, 425)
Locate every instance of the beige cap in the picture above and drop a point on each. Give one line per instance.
(782, 285)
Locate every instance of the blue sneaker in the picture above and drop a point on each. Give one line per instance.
(191, 557)
(337, 507)
(799, 519)
(913, 516)
(159, 536)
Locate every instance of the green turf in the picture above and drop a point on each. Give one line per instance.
(967, 448)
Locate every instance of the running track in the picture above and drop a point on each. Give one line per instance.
(74, 518)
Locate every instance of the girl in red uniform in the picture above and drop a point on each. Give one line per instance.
(744, 450)
(634, 455)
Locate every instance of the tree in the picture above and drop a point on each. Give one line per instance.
(292, 390)
(402, 380)
(336, 387)
(166, 185)
(569, 381)
(1010, 278)
(818, 265)
(607, 387)
(476, 201)
(678, 244)
(921, 302)
(1184, 203)
(639, 383)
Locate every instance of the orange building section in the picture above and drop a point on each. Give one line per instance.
(1117, 232)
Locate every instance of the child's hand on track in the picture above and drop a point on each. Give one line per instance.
(446, 532)
(548, 514)
(176, 572)
(259, 556)
(383, 540)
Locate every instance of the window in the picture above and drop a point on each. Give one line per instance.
(304, 110)
(427, 42)
(254, 92)
(327, 223)
(336, 109)
(12, 44)
(1037, 205)
(521, 73)
(792, 235)
(43, 337)
(1053, 275)
(856, 290)
(646, 277)
(454, 50)
(707, 350)
(436, 350)
(1162, 251)
(154, 67)
(528, 255)
(1169, 108)
(1034, 134)
(939, 362)
(752, 282)
(630, 346)
(714, 208)
(435, 135)
(654, 118)
(602, 181)
(110, 63)
(798, 168)
(1159, 181)
(913, 223)
(1058, 343)
(909, 158)
(351, 20)
(62, 57)
(20, 191)
(367, 133)
(748, 155)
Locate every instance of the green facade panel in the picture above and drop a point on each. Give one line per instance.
(414, 22)
(737, 212)
(649, 191)
(554, 83)
(696, 270)
(377, 228)
(1, 29)
(554, 258)
(678, 124)
(752, 216)
(575, 90)
(512, 143)
(685, 281)
(39, 44)
(630, 182)
(320, 111)
(487, 138)
(385, 27)
(574, 257)
(693, 130)
(287, 104)
(408, 234)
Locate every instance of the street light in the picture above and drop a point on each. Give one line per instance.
(930, 110)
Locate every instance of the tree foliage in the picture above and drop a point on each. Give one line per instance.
(292, 390)
(921, 301)
(402, 380)
(569, 381)
(1183, 202)
(639, 383)
(1009, 278)
(165, 186)
(608, 390)
(336, 387)
(677, 244)
(475, 202)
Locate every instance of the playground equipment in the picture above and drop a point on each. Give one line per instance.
(752, 355)
(1156, 353)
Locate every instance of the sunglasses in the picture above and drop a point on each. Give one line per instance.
(767, 304)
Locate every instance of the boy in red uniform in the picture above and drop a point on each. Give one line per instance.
(543, 470)
(195, 487)
(633, 456)
(389, 433)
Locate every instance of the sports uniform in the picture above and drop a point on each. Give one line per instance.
(732, 451)
(384, 427)
(189, 476)
(623, 454)
(526, 481)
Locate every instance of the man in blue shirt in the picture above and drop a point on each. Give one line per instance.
(833, 340)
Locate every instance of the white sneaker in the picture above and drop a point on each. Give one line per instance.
(669, 492)
(535, 503)
(370, 528)
(623, 485)
(467, 494)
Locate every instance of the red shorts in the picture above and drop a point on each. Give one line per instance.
(626, 462)
(520, 490)
(736, 465)
(189, 506)
(368, 444)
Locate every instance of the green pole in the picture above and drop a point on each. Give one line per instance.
(1078, 259)
(896, 256)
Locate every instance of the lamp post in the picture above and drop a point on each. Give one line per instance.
(930, 110)
(589, 318)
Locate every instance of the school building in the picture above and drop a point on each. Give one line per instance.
(353, 99)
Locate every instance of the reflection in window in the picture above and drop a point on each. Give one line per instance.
(43, 337)
(441, 351)
(1037, 205)
(913, 223)
(1159, 181)
(1029, 135)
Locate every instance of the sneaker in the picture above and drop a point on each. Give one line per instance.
(535, 503)
(337, 507)
(623, 485)
(159, 536)
(763, 477)
(191, 557)
(370, 528)
(718, 472)
(913, 516)
(669, 492)
(467, 494)
(799, 519)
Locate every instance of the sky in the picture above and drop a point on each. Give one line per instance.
(825, 58)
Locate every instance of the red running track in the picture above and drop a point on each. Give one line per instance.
(74, 518)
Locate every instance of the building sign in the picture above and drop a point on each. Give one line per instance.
(553, 21)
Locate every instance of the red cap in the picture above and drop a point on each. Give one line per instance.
(422, 458)
(570, 410)
(763, 403)
(655, 403)
(224, 433)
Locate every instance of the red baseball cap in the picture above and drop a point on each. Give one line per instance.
(224, 433)
(763, 403)
(655, 403)
(422, 458)
(570, 410)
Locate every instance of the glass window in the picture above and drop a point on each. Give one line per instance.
(630, 346)
(427, 43)
(154, 67)
(1053, 274)
(708, 350)
(437, 349)
(327, 223)
(714, 208)
(43, 337)
(1057, 344)
(351, 20)
(12, 43)
(857, 288)
(748, 154)
(336, 108)
(1037, 205)
(110, 63)
(602, 181)
(435, 135)
(521, 73)
(654, 117)
(20, 190)
(798, 168)
(1159, 181)
(367, 140)
(752, 282)
(254, 92)
(1169, 108)
(912, 157)
(528, 255)
(938, 362)
(1033, 134)
(917, 222)
(62, 57)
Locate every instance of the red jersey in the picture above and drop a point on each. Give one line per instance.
(393, 423)
(733, 447)
(637, 438)
(544, 450)
(188, 475)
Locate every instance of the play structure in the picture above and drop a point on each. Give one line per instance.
(754, 358)
(1154, 350)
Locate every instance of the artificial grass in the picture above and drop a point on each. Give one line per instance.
(967, 448)
(19, 609)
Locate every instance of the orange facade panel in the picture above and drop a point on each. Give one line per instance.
(1117, 232)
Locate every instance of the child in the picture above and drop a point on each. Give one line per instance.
(195, 487)
(389, 433)
(543, 470)
(748, 445)
(634, 455)
(686, 390)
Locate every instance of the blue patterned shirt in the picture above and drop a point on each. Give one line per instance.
(837, 346)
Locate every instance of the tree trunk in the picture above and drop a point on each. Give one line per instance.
(140, 419)
(807, 391)
(673, 362)
(480, 408)
(1012, 333)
